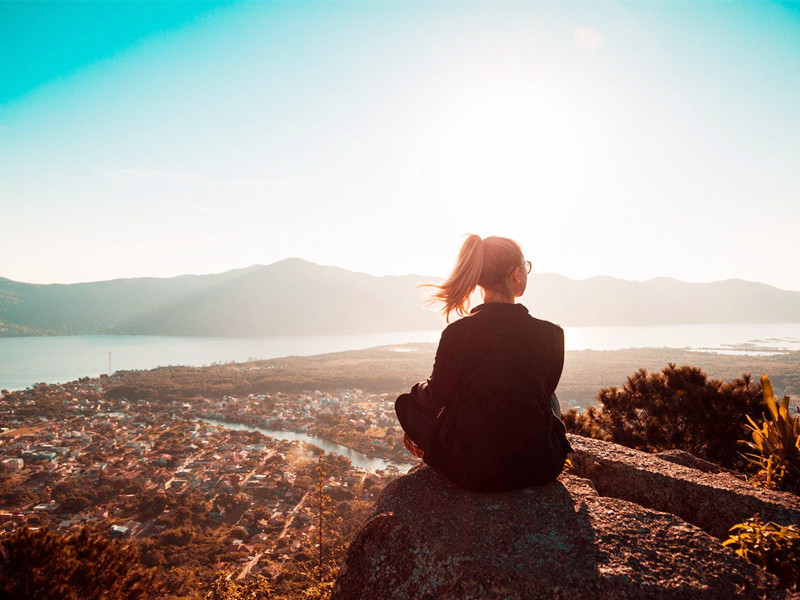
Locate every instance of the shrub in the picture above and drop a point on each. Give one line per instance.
(775, 548)
(42, 565)
(677, 408)
(224, 587)
(776, 443)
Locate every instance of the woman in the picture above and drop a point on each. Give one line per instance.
(484, 417)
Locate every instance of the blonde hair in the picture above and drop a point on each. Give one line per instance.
(481, 262)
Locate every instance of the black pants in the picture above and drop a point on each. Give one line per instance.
(417, 421)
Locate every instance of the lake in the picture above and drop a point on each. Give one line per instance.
(52, 359)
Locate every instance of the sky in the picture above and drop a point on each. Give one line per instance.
(627, 139)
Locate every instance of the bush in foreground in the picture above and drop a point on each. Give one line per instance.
(677, 408)
(775, 548)
(776, 443)
(42, 565)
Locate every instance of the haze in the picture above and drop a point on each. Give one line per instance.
(634, 140)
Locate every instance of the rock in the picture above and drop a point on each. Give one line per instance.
(681, 457)
(712, 501)
(621, 524)
(429, 539)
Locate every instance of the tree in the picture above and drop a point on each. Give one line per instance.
(677, 408)
(42, 565)
(12, 493)
(225, 588)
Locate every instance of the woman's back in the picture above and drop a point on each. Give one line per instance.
(484, 416)
(496, 370)
(506, 335)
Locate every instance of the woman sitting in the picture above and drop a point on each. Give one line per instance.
(487, 417)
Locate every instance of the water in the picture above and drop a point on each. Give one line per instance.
(55, 359)
(747, 338)
(358, 459)
(28, 360)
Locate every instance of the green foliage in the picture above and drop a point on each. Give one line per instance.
(225, 588)
(775, 548)
(585, 423)
(42, 565)
(776, 443)
(678, 408)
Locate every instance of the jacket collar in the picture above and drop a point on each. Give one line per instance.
(499, 306)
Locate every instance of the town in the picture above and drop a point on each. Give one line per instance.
(195, 495)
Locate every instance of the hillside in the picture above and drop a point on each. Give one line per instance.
(296, 297)
(291, 297)
(661, 301)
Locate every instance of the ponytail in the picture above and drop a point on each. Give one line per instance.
(480, 262)
(455, 292)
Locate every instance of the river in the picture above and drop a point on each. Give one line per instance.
(358, 459)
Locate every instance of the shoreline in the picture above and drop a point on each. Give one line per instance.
(381, 369)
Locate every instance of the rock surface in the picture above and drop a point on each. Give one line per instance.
(428, 538)
(681, 457)
(711, 501)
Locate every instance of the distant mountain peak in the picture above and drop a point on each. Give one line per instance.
(293, 261)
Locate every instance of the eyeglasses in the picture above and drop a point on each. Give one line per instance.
(526, 265)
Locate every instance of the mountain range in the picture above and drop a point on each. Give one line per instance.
(296, 297)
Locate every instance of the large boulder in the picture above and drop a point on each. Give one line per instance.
(427, 538)
(711, 501)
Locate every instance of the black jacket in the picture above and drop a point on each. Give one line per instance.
(494, 373)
